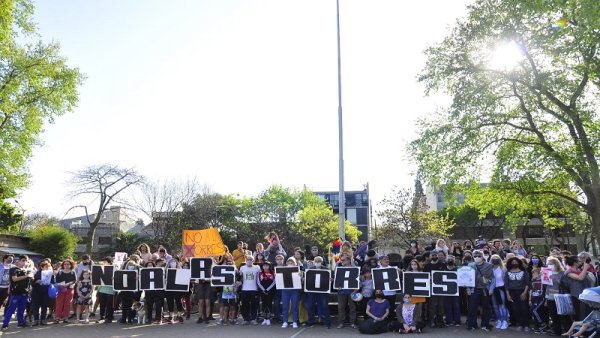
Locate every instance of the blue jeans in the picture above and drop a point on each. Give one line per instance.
(322, 306)
(479, 295)
(18, 302)
(452, 309)
(499, 304)
(290, 297)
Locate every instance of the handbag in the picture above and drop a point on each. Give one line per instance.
(564, 304)
(53, 291)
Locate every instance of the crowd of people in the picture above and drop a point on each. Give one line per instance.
(508, 289)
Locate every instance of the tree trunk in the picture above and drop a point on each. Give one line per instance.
(595, 231)
(593, 208)
(90, 238)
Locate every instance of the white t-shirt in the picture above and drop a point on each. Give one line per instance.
(249, 277)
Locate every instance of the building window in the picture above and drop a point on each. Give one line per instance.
(351, 215)
(350, 200)
(105, 240)
(362, 216)
(334, 200)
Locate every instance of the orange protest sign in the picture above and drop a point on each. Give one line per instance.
(205, 242)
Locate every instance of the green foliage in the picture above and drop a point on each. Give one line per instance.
(299, 217)
(36, 86)
(532, 128)
(55, 242)
(9, 217)
(127, 242)
(405, 217)
(318, 225)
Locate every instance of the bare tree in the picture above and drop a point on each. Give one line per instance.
(104, 183)
(35, 220)
(160, 200)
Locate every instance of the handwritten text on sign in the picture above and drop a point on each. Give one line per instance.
(206, 242)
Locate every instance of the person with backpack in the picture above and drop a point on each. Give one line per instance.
(480, 295)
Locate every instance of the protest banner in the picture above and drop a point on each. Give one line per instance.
(119, 258)
(387, 279)
(417, 284)
(223, 275)
(466, 277)
(546, 274)
(125, 280)
(287, 277)
(102, 275)
(347, 277)
(201, 267)
(443, 283)
(178, 280)
(152, 279)
(205, 242)
(317, 280)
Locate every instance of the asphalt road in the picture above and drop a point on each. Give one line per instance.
(191, 329)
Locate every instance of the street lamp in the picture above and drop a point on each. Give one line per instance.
(342, 201)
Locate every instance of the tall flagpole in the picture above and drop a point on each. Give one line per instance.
(342, 200)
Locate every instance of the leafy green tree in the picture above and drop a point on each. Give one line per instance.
(127, 242)
(10, 218)
(405, 217)
(299, 217)
(36, 86)
(53, 241)
(525, 87)
(318, 225)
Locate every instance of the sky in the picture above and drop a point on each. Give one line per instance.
(241, 94)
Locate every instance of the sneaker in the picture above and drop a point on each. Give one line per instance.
(4, 327)
(499, 324)
(199, 321)
(65, 321)
(284, 325)
(264, 322)
(294, 325)
(92, 315)
(504, 325)
(340, 326)
(486, 329)
(457, 324)
(268, 322)
(254, 322)
(353, 326)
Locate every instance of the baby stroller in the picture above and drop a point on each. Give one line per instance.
(591, 296)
